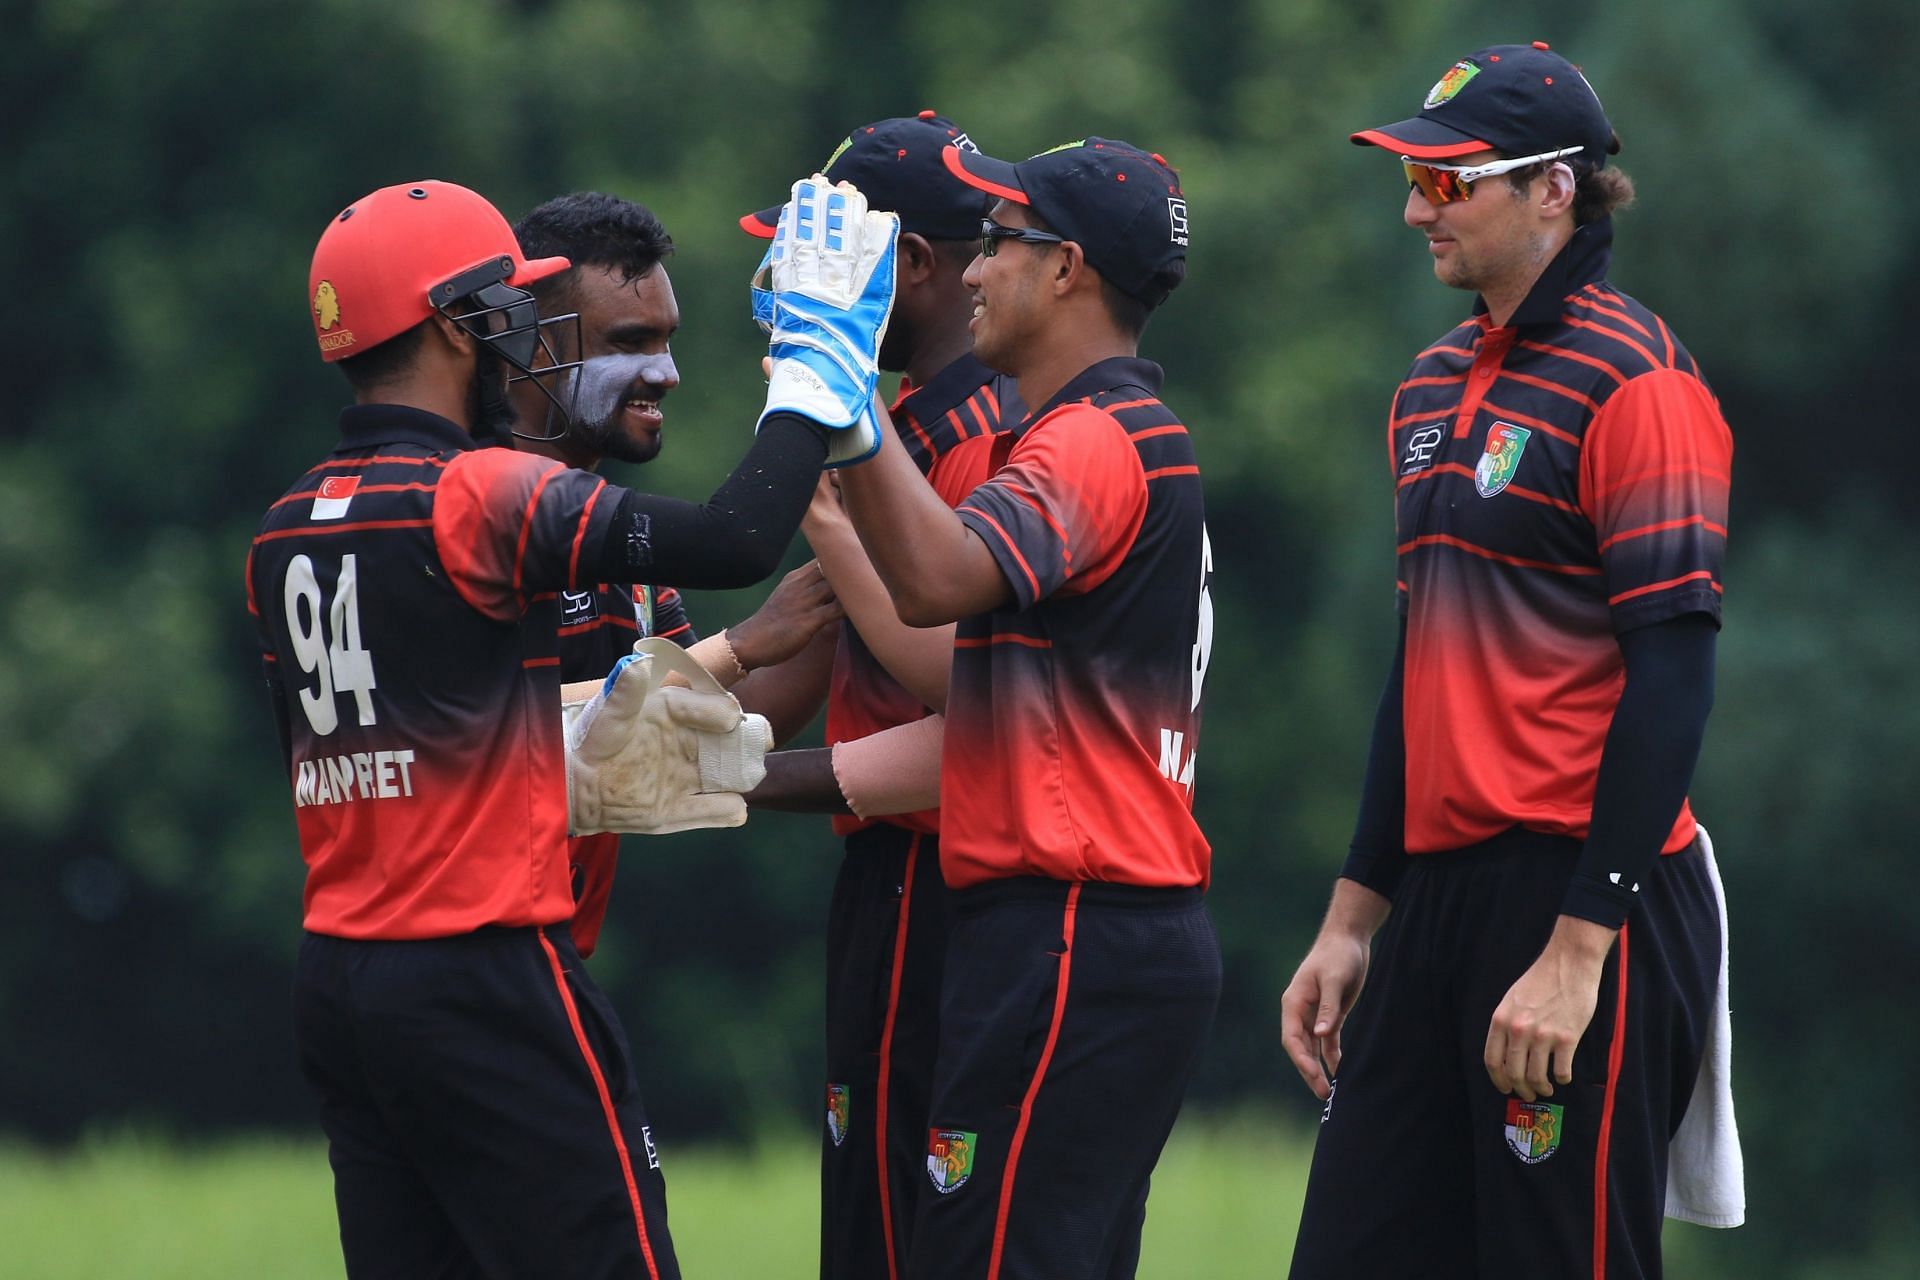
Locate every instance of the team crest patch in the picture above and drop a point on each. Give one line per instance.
(335, 492)
(1453, 82)
(837, 1113)
(949, 1158)
(326, 305)
(1505, 444)
(1533, 1129)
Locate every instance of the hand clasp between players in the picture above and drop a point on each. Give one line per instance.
(649, 760)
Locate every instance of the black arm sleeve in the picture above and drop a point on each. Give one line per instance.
(1378, 856)
(1647, 763)
(738, 536)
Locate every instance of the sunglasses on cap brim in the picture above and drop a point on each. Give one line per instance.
(1445, 183)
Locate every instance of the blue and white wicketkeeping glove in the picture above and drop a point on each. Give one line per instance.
(825, 301)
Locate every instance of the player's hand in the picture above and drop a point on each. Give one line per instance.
(826, 300)
(1534, 1032)
(1315, 1004)
(779, 629)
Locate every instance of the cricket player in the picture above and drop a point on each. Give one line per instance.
(1548, 938)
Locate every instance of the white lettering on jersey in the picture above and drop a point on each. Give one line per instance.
(1172, 765)
(1420, 447)
(360, 775)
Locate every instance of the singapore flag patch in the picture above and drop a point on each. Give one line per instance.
(330, 503)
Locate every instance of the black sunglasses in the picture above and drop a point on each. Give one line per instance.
(992, 233)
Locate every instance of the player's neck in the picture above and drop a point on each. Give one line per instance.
(935, 354)
(1055, 365)
(425, 395)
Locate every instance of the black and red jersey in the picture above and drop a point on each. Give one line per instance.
(405, 590)
(1074, 713)
(1560, 479)
(598, 625)
(964, 401)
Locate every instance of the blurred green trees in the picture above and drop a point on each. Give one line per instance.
(170, 167)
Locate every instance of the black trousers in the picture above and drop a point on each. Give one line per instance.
(481, 1110)
(1070, 1023)
(886, 946)
(1423, 1168)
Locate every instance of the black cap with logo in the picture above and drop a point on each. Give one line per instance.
(896, 165)
(1517, 99)
(1121, 205)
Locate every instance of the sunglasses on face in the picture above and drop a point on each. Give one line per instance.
(992, 233)
(1445, 183)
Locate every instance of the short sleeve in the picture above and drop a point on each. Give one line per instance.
(508, 525)
(1062, 512)
(1655, 469)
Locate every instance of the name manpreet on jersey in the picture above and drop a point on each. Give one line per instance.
(964, 402)
(1560, 479)
(1074, 716)
(405, 590)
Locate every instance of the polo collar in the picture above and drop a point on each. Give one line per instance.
(1103, 375)
(1580, 262)
(363, 426)
(945, 389)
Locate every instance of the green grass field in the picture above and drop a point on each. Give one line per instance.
(1225, 1199)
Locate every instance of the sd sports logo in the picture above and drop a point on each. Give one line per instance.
(1533, 1129)
(1447, 86)
(950, 1158)
(837, 1113)
(1505, 444)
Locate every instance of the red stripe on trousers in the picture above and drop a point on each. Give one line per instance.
(1614, 1055)
(1033, 1086)
(606, 1100)
(886, 1053)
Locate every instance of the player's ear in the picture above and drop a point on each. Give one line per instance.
(1558, 195)
(450, 333)
(915, 259)
(1070, 268)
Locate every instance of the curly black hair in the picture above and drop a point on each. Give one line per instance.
(592, 229)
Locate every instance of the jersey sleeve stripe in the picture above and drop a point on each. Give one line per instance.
(1419, 416)
(1010, 482)
(1698, 575)
(1440, 349)
(1161, 473)
(1592, 305)
(1521, 562)
(358, 526)
(1148, 433)
(1528, 420)
(1663, 527)
(531, 663)
(1435, 381)
(1579, 357)
(1118, 405)
(1007, 540)
(1622, 482)
(580, 536)
(913, 424)
(671, 632)
(253, 606)
(526, 528)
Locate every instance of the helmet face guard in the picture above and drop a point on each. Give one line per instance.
(507, 319)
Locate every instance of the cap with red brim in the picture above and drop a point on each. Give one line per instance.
(982, 172)
(1421, 138)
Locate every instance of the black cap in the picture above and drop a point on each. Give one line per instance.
(1519, 99)
(896, 165)
(1121, 205)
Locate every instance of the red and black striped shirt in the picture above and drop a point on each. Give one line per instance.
(1074, 714)
(405, 593)
(1560, 479)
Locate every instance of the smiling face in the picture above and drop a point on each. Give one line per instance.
(625, 330)
(1008, 293)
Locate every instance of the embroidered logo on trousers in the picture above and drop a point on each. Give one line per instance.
(950, 1158)
(837, 1113)
(1533, 1129)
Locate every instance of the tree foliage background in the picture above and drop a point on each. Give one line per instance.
(169, 168)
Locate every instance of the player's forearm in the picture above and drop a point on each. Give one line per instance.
(789, 694)
(736, 538)
(1355, 911)
(799, 782)
(1646, 765)
(919, 658)
(912, 538)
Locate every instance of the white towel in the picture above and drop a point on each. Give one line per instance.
(1706, 1175)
